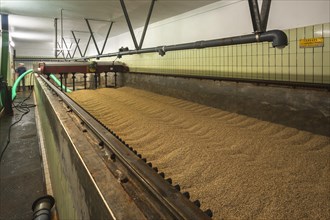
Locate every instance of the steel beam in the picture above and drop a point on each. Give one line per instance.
(123, 6)
(75, 49)
(147, 23)
(92, 35)
(265, 8)
(77, 42)
(66, 46)
(106, 38)
(255, 15)
(89, 40)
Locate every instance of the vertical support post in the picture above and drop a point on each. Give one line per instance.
(62, 32)
(61, 78)
(73, 81)
(95, 80)
(55, 25)
(146, 24)
(5, 47)
(85, 79)
(92, 35)
(255, 15)
(65, 81)
(123, 6)
(115, 79)
(106, 79)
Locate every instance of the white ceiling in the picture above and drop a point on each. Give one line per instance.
(33, 21)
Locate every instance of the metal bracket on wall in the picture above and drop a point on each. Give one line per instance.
(130, 25)
(259, 20)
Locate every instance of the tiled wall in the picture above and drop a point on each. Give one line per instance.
(251, 61)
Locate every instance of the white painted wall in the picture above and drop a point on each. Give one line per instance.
(224, 19)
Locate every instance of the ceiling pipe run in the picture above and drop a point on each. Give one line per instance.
(277, 37)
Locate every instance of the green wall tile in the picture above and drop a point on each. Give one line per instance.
(293, 34)
(300, 33)
(309, 32)
(326, 59)
(318, 30)
(309, 59)
(326, 30)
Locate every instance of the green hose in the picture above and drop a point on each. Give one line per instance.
(13, 94)
(53, 77)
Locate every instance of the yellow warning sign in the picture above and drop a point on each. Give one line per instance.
(311, 42)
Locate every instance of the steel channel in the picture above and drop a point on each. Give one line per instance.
(178, 205)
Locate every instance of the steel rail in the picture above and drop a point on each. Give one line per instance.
(175, 203)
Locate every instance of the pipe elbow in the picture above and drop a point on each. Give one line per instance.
(277, 37)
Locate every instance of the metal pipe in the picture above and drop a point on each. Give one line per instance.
(255, 15)
(277, 37)
(92, 35)
(147, 23)
(129, 24)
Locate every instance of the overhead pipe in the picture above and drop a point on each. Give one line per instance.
(277, 37)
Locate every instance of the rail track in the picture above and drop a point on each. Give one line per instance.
(154, 194)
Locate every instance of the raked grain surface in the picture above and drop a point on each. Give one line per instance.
(239, 167)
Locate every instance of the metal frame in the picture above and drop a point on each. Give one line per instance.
(137, 46)
(93, 37)
(77, 42)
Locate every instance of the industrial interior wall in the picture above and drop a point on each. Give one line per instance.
(252, 61)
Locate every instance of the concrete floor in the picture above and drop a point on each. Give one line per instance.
(21, 172)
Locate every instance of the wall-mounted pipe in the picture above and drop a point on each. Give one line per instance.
(277, 37)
